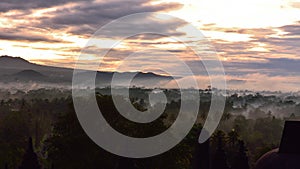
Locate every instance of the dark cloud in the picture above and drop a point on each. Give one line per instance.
(177, 51)
(143, 27)
(250, 31)
(283, 44)
(293, 30)
(231, 47)
(275, 46)
(8, 5)
(86, 17)
(272, 67)
(94, 13)
(30, 38)
(82, 18)
(69, 50)
(236, 82)
(286, 66)
(66, 63)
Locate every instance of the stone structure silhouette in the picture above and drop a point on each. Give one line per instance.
(287, 156)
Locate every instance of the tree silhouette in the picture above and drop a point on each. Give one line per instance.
(220, 159)
(293, 116)
(233, 137)
(201, 157)
(126, 163)
(226, 116)
(241, 160)
(30, 159)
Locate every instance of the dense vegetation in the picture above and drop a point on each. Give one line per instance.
(248, 130)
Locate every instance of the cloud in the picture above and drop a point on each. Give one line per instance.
(272, 67)
(292, 30)
(143, 27)
(93, 13)
(270, 52)
(30, 38)
(85, 18)
(260, 81)
(236, 82)
(8, 5)
(295, 4)
(262, 44)
(79, 18)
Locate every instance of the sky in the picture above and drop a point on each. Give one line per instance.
(256, 40)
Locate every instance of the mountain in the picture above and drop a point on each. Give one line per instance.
(26, 76)
(12, 65)
(29, 73)
(16, 69)
(13, 62)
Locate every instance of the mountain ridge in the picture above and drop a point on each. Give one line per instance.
(14, 69)
(11, 59)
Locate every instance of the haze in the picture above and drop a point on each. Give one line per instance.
(257, 40)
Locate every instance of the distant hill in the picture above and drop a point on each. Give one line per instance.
(29, 73)
(25, 76)
(16, 69)
(14, 62)
(12, 65)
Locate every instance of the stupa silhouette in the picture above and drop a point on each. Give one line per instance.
(287, 156)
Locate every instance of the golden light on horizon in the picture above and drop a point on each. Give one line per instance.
(235, 27)
(239, 13)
